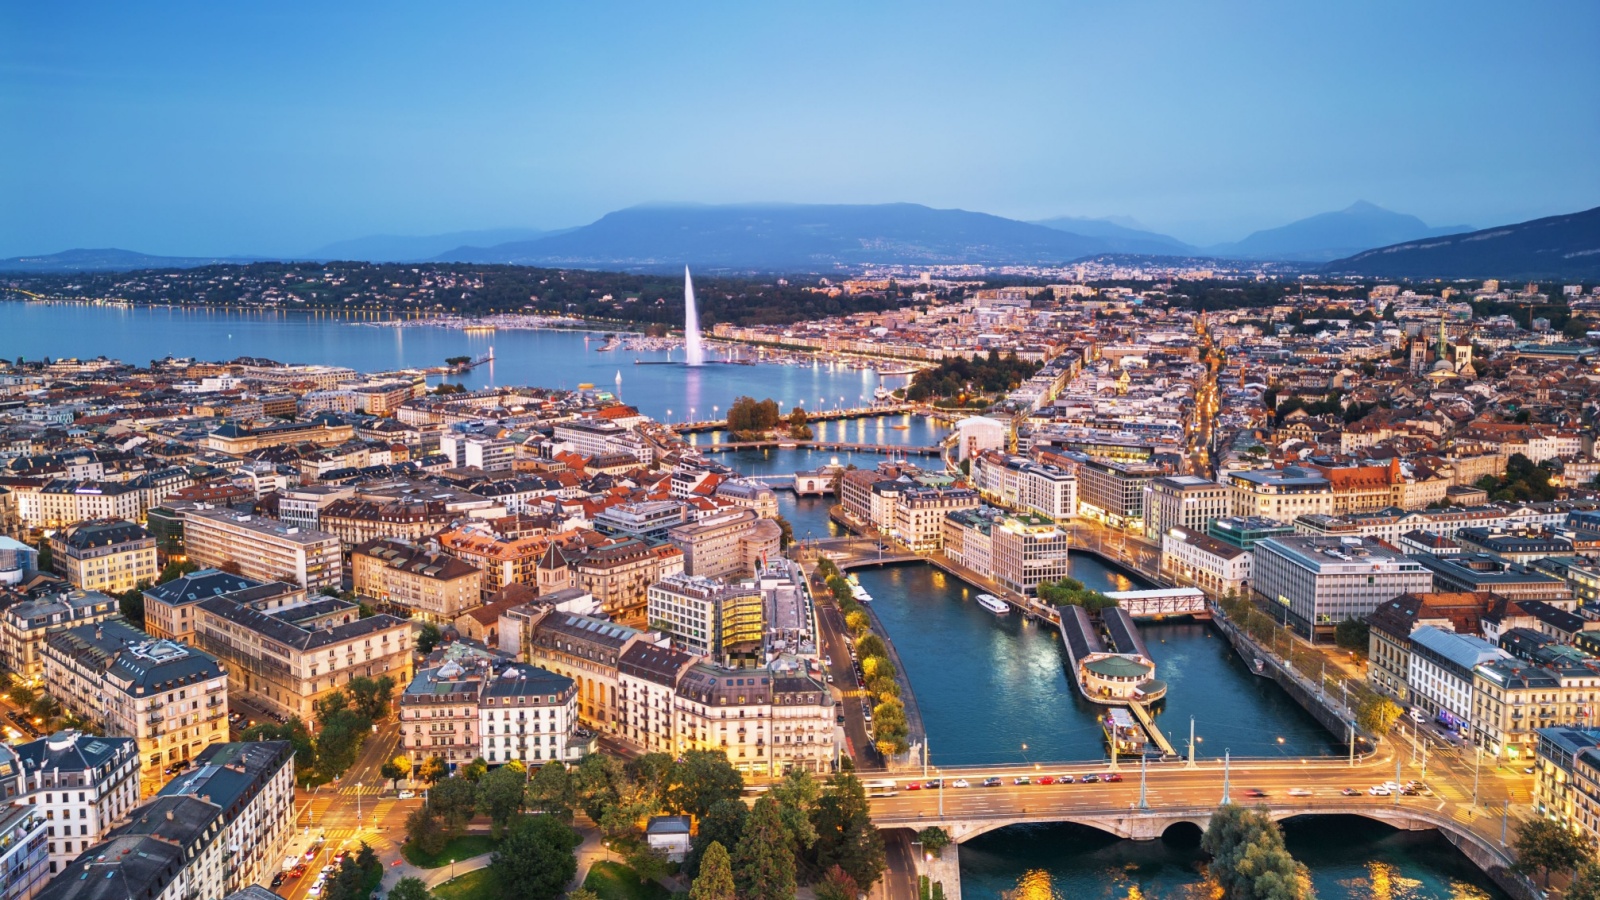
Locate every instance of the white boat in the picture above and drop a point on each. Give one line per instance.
(994, 604)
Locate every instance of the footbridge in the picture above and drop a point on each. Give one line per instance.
(1161, 603)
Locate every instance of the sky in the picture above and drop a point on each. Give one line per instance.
(275, 128)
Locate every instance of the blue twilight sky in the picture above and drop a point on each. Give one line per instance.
(273, 128)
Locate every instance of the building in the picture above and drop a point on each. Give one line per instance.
(1113, 492)
(1441, 676)
(767, 722)
(195, 843)
(17, 560)
(170, 698)
(82, 785)
(1391, 624)
(1016, 482)
(527, 714)
(424, 581)
(586, 650)
(24, 625)
(1183, 501)
(1513, 698)
(1026, 549)
(1473, 572)
(647, 683)
(439, 714)
(169, 608)
(1245, 532)
(705, 617)
(1190, 557)
(252, 786)
(289, 658)
(109, 555)
(1566, 785)
(262, 549)
(919, 515)
(647, 519)
(1314, 583)
(618, 575)
(24, 833)
(728, 543)
(1281, 494)
(976, 434)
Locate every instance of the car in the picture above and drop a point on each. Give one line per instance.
(1379, 790)
(1528, 770)
(1111, 776)
(1299, 792)
(315, 890)
(838, 719)
(277, 880)
(1021, 779)
(991, 781)
(960, 783)
(1392, 785)
(1045, 779)
(1408, 792)
(1350, 792)
(830, 678)
(1090, 778)
(933, 784)
(1256, 793)
(913, 785)
(407, 795)
(1063, 779)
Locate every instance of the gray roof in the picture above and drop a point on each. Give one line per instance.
(199, 585)
(1464, 650)
(72, 751)
(133, 658)
(292, 635)
(231, 774)
(141, 858)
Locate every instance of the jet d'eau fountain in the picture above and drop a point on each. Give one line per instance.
(691, 323)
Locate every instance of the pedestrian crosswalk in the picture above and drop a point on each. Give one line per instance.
(365, 790)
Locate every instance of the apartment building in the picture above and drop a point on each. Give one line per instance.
(919, 514)
(1281, 494)
(1391, 624)
(110, 555)
(1019, 483)
(61, 502)
(262, 549)
(252, 786)
(706, 617)
(1026, 549)
(170, 698)
(732, 542)
(24, 625)
(1183, 501)
(527, 714)
(1191, 557)
(618, 575)
(1113, 492)
(169, 608)
(82, 785)
(1566, 785)
(289, 658)
(425, 581)
(586, 650)
(1441, 674)
(647, 683)
(767, 722)
(1513, 698)
(24, 834)
(1315, 583)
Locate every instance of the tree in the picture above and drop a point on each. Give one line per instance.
(715, 881)
(1249, 859)
(396, 769)
(763, 864)
(550, 790)
(433, 768)
(836, 884)
(131, 605)
(1585, 882)
(1351, 634)
(428, 637)
(723, 824)
(1376, 715)
(475, 770)
(797, 796)
(424, 833)
(370, 697)
(648, 863)
(176, 569)
(595, 784)
(23, 695)
(343, 731)
(1545, 844)
(535, 860)
(454, 799)
(410, 888)
(846, 836)
(501, 795)
(700, 779)
(934, 839)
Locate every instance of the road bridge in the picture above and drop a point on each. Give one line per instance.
(841, 446)
(820, 415)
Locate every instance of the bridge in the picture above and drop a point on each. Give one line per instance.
(821, 415)
(841, 446)
(1161, 603)
(1175, 795)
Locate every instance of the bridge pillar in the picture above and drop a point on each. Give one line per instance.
(946, 870)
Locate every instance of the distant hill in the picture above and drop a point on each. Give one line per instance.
(1333, 235)
(110, 260)
(794, 237)
(1121, 236)
(1564, 247)
(415, 248)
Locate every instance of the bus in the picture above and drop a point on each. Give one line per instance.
(883, 787)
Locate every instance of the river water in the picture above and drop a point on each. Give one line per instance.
(985, 686)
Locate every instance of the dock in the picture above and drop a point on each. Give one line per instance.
(1159, 739)
(1124, 635)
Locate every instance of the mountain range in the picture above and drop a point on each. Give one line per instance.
(831, 237)
(1562, 247)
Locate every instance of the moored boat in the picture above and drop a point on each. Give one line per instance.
(994, 604)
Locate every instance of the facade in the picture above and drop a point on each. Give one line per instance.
(919, 515)
(1566, 784)
(470, 709)
(1191, 557)
(432, 585)
(1441, 673)
(263, 549)
(586, 650)
(1315, 583)
(1183, 501)
(1512, 699)
(767, 722)
(24, 834)
(1281, 494)
(252, 786)
(1027, 549)
(727, 543)
(170, 698)
(1113, 492)
(82, 785)
(169, 608)
(1481, 572)
(290, 658)
(619, 575)
(705, 617)
(24, 625)
(647, 683)
(109, 555)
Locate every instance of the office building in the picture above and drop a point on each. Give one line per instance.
(262, 549)
(1313, 583)
(1281, 494)
(727, 543)
(706, 617)
(1183, 501)
(1113, 492)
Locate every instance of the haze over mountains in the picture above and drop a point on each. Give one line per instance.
(1362, 238)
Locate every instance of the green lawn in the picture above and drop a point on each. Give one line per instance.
(615, 881)
(479, 884)
(457, 849)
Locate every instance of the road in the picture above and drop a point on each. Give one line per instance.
(846, 688)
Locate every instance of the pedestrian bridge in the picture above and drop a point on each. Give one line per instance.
(1159, 603)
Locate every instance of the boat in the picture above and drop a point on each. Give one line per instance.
(994, 604)
(478, 329)
(1123, 732)
(900, 427)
